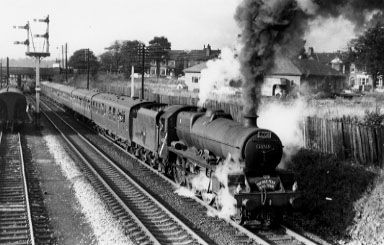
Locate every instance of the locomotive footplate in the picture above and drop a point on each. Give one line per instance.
(252, 201)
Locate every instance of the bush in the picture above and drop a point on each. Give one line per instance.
(374, 118)
(330, 188)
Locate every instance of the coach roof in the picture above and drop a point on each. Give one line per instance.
(120, 101)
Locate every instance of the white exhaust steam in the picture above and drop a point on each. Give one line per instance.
(216, 78)
(224, 198)
(286, 120)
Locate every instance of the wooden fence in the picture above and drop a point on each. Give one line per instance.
(345, 139)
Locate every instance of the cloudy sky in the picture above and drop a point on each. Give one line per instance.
(94, 24)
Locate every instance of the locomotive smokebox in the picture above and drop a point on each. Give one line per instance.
(250, 120)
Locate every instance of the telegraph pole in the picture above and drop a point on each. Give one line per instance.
(62, 56)
(87, 68)
(1, 73)
(142, 72)
(38, 55)
(66, 60)
(7, 71)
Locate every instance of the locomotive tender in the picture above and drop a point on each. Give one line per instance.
(13, 105)
(185, 141)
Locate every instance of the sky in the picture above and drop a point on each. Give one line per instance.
(188, 24)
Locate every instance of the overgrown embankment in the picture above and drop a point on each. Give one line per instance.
(343, 201)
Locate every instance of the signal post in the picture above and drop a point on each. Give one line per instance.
(38, 56)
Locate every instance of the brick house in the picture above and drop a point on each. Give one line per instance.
(356, 77)
(178, 60)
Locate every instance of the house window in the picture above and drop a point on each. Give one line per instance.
(380, 82)
(171, 63)
(195, 79)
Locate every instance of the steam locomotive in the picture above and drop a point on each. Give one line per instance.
(13, 105)
(186, 141)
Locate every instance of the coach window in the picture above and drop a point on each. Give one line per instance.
(121, 116)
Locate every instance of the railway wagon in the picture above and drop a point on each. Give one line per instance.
(185, 141)
(13, 106)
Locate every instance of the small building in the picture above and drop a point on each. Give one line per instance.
(193, 75)
(304, 75)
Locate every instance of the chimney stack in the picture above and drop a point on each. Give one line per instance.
(250, 120)
(310, 52)
(208, 50)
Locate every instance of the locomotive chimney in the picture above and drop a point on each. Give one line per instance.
(250, 120)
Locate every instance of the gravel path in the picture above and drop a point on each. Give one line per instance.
(77, 214)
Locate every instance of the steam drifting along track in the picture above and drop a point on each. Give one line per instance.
(144, 219)
(15, 215)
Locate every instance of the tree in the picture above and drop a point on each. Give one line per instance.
(130, 52)
(367, 51)
(162, 41)
(112, 59)
(79, 61)
(107, 62)
(158, 50)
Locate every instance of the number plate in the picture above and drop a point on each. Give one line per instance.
(264, 134)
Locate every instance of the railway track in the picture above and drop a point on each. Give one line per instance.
(144, 219)
(15, 214)
(282, 235)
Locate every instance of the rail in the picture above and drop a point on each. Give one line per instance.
(16, 218)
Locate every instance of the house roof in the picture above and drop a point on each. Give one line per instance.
(177, 54)
(326, 58)
(196, 68)
(197, 55)
(202, 54)
(310, 67)
(300, 67)
(284, 66)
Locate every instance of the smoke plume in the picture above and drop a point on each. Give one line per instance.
(271, 28)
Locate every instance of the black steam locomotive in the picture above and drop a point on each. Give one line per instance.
(185, 141)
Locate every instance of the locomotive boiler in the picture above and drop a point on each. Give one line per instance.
(260, 149)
